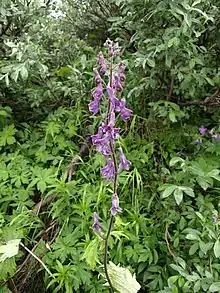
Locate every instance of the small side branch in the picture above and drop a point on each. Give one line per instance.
(166, 236)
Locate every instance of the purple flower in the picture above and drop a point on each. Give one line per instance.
(98, 92)
(96, 227)
(198, 141)
(98, 136)
(121, 72)
(113, 49)
(211, 131)
(98, 79)
(111, 132)
(125, 112)
(108, 172)
(97, 95)
(124, 163)
(104, 149)
(102, 63)
(115, 205)
(216, 137)
(114, 101)
(117, 84)
(112, 120)
(214, 219)
(202, 130)
(94, 106)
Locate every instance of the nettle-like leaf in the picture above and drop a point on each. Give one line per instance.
(122, 279)
(7, 135)
(9, 250)
(91, 253)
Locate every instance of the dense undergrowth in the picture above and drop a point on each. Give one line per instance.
(50, 183)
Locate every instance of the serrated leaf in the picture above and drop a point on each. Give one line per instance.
(122, 279)
(41, 185)
(91, 253)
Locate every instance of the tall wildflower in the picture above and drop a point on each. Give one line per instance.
(107, 137)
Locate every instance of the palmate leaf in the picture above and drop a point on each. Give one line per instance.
(122, 279)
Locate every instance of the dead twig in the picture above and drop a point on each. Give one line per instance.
(212, 101)
(38, 259)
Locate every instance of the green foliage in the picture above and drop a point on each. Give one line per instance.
(169, 229)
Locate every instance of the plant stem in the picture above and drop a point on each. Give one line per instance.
(111, 289)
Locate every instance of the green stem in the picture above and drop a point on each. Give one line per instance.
(111, 289)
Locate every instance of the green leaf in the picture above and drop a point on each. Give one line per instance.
(189, 191)
(193, 248)
(172, 116)
(175, 160)
(192, 237)
(10, 249)
(24, 72)
(91, 253)
(150, 62)
(215, 287)
(41, 185)
(122, 280)
(168, 60)
(178, 195)
(217, 248)
(168, 191)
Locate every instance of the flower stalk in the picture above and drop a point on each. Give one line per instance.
(107, 137)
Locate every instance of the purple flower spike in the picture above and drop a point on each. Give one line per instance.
(96, 227)
(125, 112)
(102, 63)
(108, 172)
(114, 101)
(202, 130)
(115, 205)
(124, 163)
(216, 137)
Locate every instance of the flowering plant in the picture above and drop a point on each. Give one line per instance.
(208, 133)
(106, 139)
